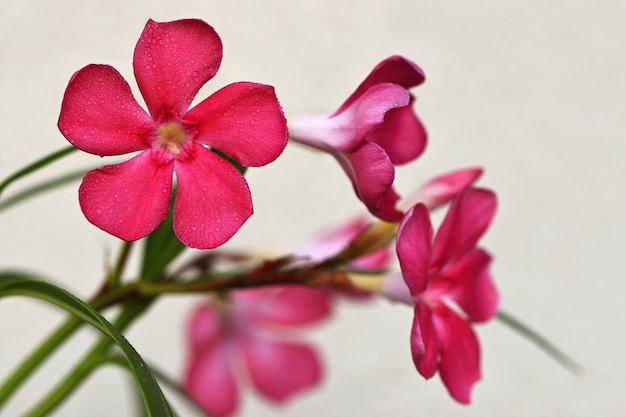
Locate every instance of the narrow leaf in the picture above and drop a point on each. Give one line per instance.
(36, 165)
(154, 401)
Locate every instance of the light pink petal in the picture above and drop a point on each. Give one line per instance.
(212, 199)
(209, 380)
(424, 341)
(467, 219)
(205, 328)
(99, 114)
(128, 200)
(443, 188)
(172, 61)
(294, 305)
(402, 135)
(244, 121)
(280, 370)
(376, 261)
(459, 366)
(372, 175)
(345, 131)
(472, 287)
(395, 69)
(413, 245)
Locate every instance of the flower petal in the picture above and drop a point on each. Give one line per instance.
(443, 188)
(459, 366)
(346, 130)
(472, 287)
(372, 175)
(212, 200)
(413, 246)
(294, 305)
(128, 200)
(204, 329)
(99, 114)
(424, 341)
(395, 69)
(244, 120)
(466, 221)
(172, 61)
(402, 135)
(280, 370)
(209, 380)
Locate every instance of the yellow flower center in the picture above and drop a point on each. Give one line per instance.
(171, 136)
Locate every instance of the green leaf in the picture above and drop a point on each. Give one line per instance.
(41, 187)
(541, 342)
(36, 166)
(14, 284)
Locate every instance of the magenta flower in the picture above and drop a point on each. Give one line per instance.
(373, 130)
(333, 241)
(442, 189)
(449, 282)
(250, 334)
(244, 120)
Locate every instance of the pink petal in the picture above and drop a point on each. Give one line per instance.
(172, 61)
(443, 188)
(402, 135)
(128, 200)
(459, 366)
(209, 380)
(346, 130)
(472, 287)
(280, 370)
(395, 69)
(413, 245)
(294, 305)
(205, 328)
(212, 200)
(466, 221)
(243, 120)
(424, 341)
(99, 114)
(372, 175)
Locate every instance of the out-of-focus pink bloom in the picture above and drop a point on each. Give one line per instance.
(244, 120)
(373, 130)
(449, 282)
(443, 188)
(251, 333)
(331, 242)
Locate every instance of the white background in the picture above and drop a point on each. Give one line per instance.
(533, 91)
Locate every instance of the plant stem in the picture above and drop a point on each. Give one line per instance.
(115, 274)
(36, 358)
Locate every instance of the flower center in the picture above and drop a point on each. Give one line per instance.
(171, 136)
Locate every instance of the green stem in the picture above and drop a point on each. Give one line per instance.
(25, 369)
(541, 342)
(115, 274)
(68, 385)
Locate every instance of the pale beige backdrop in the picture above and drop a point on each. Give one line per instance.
(531, 90)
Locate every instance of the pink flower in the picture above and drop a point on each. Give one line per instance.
(441, 189)
(449, 282)
(333, 241)
(249, 333)
(244, 120)
(373, 130)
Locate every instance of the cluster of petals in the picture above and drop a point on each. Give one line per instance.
(373, 130)
(243, 120)
(250, 336)
(448, 281)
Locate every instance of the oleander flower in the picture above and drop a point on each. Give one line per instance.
(442, 189)
(449, 283)
(243, 121)
(373, 130)
(250, 336)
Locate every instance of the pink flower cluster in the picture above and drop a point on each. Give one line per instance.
(248, 334)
